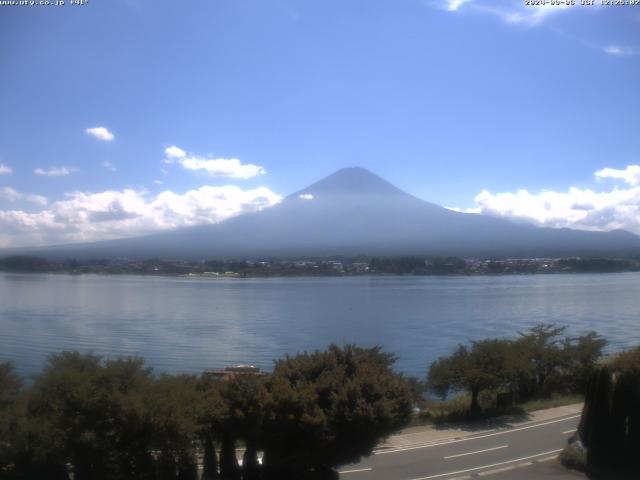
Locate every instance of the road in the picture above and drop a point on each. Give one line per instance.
(480, 454)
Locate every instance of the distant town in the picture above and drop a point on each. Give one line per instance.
(410, 265)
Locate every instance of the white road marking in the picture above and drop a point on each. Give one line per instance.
(569, 431)
(477, 451)
(512, 467)
(355, 471)
(502, 432)
(486, 466)
(422, 433)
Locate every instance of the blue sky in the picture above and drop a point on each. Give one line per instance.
(486, 106)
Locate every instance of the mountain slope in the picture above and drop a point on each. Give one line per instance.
(355, 212)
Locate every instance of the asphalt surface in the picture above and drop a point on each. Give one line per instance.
(509, 453)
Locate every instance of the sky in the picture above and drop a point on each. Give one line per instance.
(124, 117)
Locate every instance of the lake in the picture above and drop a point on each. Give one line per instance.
(190, 324)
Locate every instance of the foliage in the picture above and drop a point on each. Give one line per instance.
(89, 418)
(557, 364)
(96, 414)
(332, 407)
(539, 364)
(627, 361)
(10, 385)
(418, 266)
(486, 365)
(24, 263)
(174, 407)
(103, 418)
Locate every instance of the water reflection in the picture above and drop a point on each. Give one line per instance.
(181, 324)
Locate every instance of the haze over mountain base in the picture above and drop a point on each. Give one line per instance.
(355, 212)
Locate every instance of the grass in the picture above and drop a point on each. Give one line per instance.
(552, 402)
(457, 408)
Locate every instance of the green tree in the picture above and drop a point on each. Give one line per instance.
(10, 387)
(175, 409)
(581, 355)
(94, 413)
(488, 364)
(627, 361)
(556, 363)
(331, 407)
(212, 421)
(541, 345)
(244, 397)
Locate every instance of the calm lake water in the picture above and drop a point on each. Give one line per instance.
(191, 324)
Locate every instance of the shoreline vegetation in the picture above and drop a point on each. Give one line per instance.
(321, 267)
(89, 417)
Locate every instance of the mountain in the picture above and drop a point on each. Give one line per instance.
(351, 212)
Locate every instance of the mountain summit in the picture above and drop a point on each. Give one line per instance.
(352, 212)
(351, 181)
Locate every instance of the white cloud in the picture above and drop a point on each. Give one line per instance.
(507, 10)
(577, 208)
(630, 175)
(306, 196)
(158, 182)
(216, 167)
(533, 15)
(12, 195)
(453, 5)
(174, 152)
(620, 51)
(55, 171)
(221, 167)
(38, 200)
(518, 13)
(84, 216)
(101, 133)
(108, 165)
(4, 170)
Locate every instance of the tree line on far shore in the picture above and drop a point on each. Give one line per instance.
(102, 419)
(319, 266)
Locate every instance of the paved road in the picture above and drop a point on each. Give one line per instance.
(551, 470)
(484, 453)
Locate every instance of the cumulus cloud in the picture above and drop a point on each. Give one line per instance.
(305, 196)
(216, 167)
(630, 174)
(85, 216)
(55, 171)
(8, 193)
(38, 200)
(585, 209)
(101, 133)
(4, 170)
(174, 152)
